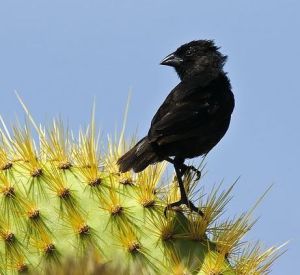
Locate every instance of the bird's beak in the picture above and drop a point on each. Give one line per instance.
(171, 60)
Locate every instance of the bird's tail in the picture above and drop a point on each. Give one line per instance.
(138, 158)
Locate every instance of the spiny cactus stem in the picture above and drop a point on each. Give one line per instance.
(65, 204)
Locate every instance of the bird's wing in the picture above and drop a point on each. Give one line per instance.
(185, 113)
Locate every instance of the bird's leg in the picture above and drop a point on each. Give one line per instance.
(183, 196)
(185, 168)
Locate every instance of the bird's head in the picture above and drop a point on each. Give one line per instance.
(199, 58)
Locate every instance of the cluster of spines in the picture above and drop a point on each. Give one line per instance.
(48, 172)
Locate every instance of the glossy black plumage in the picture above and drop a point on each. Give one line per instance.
(194, 116)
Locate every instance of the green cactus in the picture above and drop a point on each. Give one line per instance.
(65, 209)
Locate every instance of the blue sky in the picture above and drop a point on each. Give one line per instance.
(60, 55)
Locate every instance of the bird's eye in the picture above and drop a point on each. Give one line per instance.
(189, 52)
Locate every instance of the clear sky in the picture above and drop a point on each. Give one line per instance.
(60, 55)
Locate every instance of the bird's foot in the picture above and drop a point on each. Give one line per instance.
(188, 203)
(187, 168)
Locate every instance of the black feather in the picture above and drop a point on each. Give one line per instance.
(195, 115)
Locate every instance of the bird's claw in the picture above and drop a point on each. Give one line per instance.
(188, 203)
(187, 168)
(198, 172)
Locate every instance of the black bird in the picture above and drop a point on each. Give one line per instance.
(193, 118)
